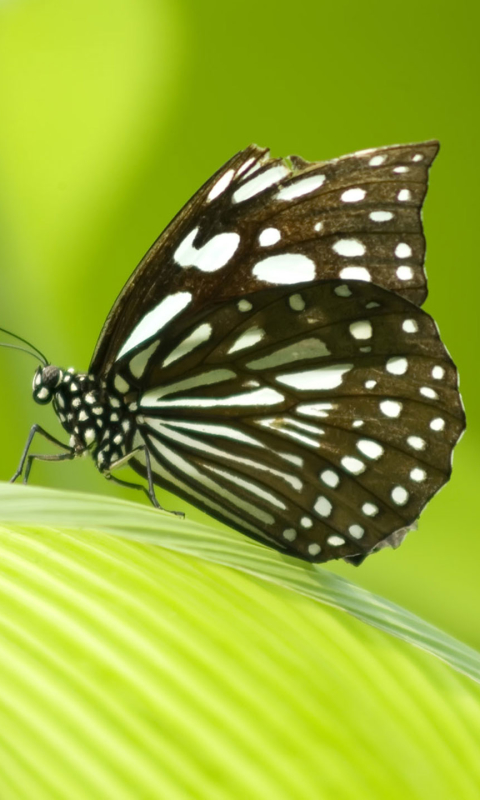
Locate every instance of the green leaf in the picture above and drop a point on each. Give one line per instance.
(187, 670)
(29, 505)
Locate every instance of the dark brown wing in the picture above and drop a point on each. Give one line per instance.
(319, 418)
(262, 222)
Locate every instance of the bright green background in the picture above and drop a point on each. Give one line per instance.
(113, 112)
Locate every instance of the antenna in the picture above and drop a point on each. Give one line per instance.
(36, 354)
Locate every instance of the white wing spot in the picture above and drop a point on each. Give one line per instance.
(417, 157)
(318, 226)
(335, 541)
(220, 185)
(247, 339)
(296, 302)
(356, 531)
(314, 549)
(376, 161)
(438, 373)
(316, 379)
(391, 408)
(306, 522)
(330, 478)
(362, 329)
(437, 424)
(269, 236)
(355, 274)
(301, 187)
(405, 273)
(418, 475)
(410, 326)
(427, 392)
(370, 509)
(401, 170)
(416, 442)
(380, 216)
(353, 195)
(323, 506)
(370, 449)
(399, 495)
(370, 384)
(285, 268)
(350, 248)
(353, 465)
(358, 423)
(260, 183)
(397, 365)
(373, 304)
(403, 250)
(290, 534)
(342, 291)
(244, 305)
(404, 195)
(213, 255)
(156, 319)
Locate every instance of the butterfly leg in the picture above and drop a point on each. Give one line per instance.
(131, 485)
(30, 458)
(150, 491)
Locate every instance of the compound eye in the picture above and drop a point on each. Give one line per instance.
(45, 381)
(41, 394)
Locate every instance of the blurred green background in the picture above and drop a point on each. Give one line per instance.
(113, 112)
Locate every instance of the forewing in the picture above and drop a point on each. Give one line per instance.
(262, 222)
(318, 418)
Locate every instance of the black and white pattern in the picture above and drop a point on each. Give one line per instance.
(268, 360)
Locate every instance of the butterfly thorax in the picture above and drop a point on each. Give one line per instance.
(97, 419)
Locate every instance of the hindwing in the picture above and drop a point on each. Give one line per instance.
(319, 418)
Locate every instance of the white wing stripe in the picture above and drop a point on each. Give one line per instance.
(199, 336)
(209, 429)
(265, 397)
(156, 319)
(198, 444)
(260, 183)
(187, 468)
(165, 475)
(253, 488)
(305, 349)
(204, 379)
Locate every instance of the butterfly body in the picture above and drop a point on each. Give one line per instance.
(97, 420)
(268, 360)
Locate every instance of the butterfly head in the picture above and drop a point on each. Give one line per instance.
(45, 382)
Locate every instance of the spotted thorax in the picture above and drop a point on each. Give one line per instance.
(269, 362)
(96, 419)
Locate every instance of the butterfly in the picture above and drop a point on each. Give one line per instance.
(268, 360)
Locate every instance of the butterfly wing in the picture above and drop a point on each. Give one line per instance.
(319, 418)
(262, 222)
